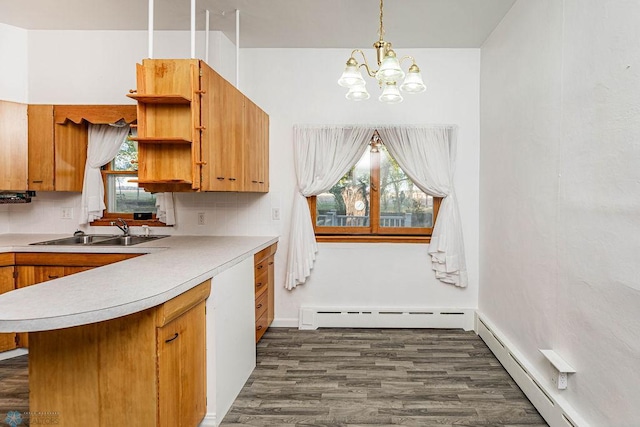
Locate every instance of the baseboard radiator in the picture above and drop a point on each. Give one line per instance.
(549, 403)
(368, 317)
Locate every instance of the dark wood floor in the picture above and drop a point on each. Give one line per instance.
(356, 377)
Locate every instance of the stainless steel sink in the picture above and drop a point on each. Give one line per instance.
(126, 240)
(101, 240)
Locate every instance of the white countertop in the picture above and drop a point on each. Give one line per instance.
(172, 266)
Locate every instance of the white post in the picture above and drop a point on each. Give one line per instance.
(237, 49)
(206, 37)
(193, 29)
(150, 29)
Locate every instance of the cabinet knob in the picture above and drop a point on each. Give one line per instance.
(260, 267)
(255, 182)
(271, 263)
(232, 179)
(259, 327)
(133, 90)
(259, 306)
(202, 163)
(220, 178)
(259, 285)
(172, 338)
(53, 277)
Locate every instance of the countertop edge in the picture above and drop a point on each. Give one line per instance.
(140, 304)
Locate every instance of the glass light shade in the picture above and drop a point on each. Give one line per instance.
(390, 70)
(413, 83)
(351, 77)
(358, 93)
(391, 94)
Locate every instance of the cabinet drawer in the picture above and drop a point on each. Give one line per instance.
(261, 267)
(261, 304)
(261, 326)
(262, 283)
(266, 252)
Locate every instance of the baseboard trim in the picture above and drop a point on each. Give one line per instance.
(284, 323)
(386, 317)
(209, 420)
(19, 352)
(550, 404)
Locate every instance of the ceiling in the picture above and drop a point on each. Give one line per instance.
(279, 23)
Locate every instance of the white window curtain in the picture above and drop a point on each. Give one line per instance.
(165, 211)
(104, 143)
(427, 155)
(322, 155)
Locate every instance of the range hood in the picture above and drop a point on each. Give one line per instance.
(12, 197)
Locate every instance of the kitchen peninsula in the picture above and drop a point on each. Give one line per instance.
(137, 300)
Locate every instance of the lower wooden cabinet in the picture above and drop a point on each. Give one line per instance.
(38, 267)
(144, 369)
(7, 341)
(264, 275)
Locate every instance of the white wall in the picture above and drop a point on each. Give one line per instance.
(13, 66)
(293, 86)
(560, 256)
(298, 86)
(91, 67)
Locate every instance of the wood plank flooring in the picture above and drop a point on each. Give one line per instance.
(357, 377)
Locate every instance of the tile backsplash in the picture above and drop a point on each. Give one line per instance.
(239, 214)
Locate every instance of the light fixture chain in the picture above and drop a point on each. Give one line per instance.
(381, 30)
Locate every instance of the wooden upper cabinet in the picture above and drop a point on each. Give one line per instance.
(194, 132)
(41, 148)
(44, 147)
(13, 146)
(256, 146)
(57, 151)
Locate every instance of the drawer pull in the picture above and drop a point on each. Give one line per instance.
(258, 328)
(259, 285)
(271, 263)
(232, 179)
(37, 181)
(53, 277)
(171, 339)
(220, 178)
(260, 267)
(259, 306)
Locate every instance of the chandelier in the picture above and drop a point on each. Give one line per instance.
(388, 74)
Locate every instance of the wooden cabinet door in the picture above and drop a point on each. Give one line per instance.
(256, 148)
(41, 152)
(222, 146)
(70, 150)
(7, 341)
(13, 146)
(182, 369)
(28, 275)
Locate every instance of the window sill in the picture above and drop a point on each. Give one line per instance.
(131, 222)
(371, 239)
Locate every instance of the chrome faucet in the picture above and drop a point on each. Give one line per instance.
(124, 227)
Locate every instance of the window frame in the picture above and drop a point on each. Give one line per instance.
(108, 217)
(375, 232)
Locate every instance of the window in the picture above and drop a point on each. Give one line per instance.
(123, 197)
(374, 201)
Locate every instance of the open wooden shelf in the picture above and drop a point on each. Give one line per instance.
(159, 140)
(161, 181)
(159, 99)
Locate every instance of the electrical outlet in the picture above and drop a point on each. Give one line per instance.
(201, 218)
(275, 214)
(66, 213)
